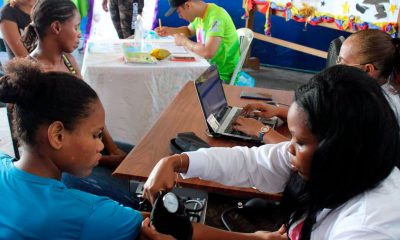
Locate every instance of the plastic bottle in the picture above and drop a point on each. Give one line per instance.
(139, 32)
(135, 11)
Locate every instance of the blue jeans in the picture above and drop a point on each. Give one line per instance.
(101, 183)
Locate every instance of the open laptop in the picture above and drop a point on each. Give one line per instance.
(218, 115)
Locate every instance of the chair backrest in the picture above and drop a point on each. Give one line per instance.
(2, 45)
(9, 118)
(333, 51)
(246, 36)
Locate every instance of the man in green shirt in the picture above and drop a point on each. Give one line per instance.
(214, 30)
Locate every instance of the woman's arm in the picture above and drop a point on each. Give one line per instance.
(12, 37)
(267, 168)
(207, 51)
(115, 156)
(168, 31)
(201, 231)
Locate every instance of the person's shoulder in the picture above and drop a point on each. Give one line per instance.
(85, 199)
(7, 8)
(376, 209)
(217, 9)
(7, 12)
(385, 194)
(5, 161)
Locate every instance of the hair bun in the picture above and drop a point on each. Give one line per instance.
(21, 82)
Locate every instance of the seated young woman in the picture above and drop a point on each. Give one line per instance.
(338, 172)
(35, 204)
(51, 37)
(373, 51)
(14, 17)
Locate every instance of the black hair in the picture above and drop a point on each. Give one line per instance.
(358, 146)
(379, 48)
(44, 13)
(41, 98)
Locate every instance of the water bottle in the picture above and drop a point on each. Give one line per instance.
(135, 11)
(139, 32)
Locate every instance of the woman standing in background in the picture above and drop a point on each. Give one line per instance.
(123, 15)
(14, 17)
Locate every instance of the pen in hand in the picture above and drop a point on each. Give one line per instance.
(159, 23)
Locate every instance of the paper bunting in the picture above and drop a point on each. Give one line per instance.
(347, 15)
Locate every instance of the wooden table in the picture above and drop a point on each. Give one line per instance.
(183, 115)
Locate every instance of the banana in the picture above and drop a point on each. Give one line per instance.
(160, 53)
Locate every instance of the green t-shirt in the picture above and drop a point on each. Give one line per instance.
(217, 23)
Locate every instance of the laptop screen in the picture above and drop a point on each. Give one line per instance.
(211, 93)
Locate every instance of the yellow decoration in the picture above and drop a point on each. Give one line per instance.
(346, 8)
(160, 53)
(392, 8)
(307, 11)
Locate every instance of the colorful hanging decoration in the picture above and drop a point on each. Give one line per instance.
(267, 25)
(347, 15)
(308, 12)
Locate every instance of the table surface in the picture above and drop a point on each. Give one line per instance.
(134, 95)
(183, 115)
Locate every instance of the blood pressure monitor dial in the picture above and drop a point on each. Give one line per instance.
(171, 202)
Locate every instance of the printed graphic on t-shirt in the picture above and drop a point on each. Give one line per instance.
(200, 35)
(215, 26)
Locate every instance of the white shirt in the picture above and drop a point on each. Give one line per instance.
(374, 214)
(394, 99)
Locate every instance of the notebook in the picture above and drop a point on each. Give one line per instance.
(218, 115)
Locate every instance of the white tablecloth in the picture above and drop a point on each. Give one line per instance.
(134, 95)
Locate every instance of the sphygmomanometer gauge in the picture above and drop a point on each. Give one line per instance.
(171, 202)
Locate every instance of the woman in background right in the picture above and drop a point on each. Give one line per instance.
(378, 54)
(373, 51)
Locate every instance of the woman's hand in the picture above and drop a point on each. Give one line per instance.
(265, 110)
(148, 231)
(249, 126)
(278, 235)
(161, 178)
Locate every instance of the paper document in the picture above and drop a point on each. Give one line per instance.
(171, 47)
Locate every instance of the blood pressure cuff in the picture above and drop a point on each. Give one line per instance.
(186, 142)
(165, 222)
